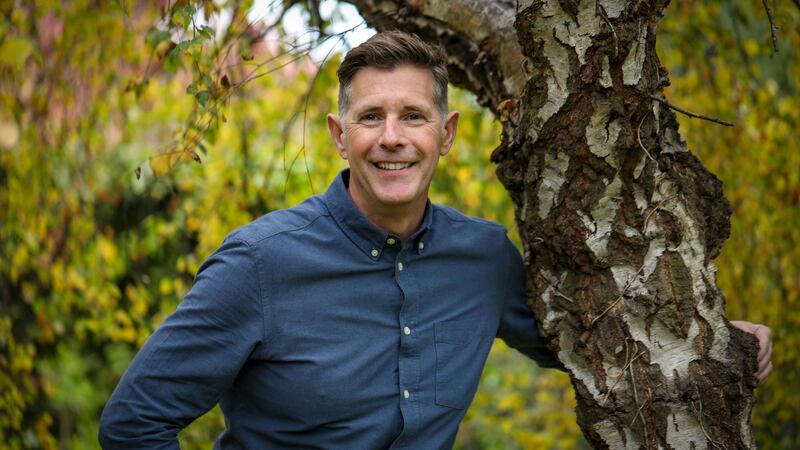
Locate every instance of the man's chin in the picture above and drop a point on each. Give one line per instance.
(396, 200)
(399, 198)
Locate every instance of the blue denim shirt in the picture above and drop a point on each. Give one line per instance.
(313, 328)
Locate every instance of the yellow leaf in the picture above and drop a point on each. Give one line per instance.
(165, 286)
(161, 164)
(107, 249)
(14, 52)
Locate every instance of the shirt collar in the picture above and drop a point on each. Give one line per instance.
(366, 235)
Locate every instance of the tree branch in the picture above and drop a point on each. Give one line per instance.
(691, 114)
(772, 28)
(483, 53)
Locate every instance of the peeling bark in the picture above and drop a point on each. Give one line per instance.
(620, 221)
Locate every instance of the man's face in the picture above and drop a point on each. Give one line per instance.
(392, 136)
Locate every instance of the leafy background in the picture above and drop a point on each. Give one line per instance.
(95, 252)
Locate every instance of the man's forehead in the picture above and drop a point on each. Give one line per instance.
(400, 68)
(407, 85)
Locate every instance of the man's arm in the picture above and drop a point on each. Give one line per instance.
(518, 327)
(764, 336)
(184, 367)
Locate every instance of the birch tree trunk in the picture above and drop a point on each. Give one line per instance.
(620, 222)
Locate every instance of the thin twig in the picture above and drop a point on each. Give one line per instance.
(636, 399)
(652, 211)
(558, 292)
(700, 421)
(621, 375)
(639, 136)
(636, 416)
(737, 34)
(561, 294)
(307, 97)
(639, 411)
(605, 311)
(772, 28)
(622, 294)
(604, 15)
(691, 114)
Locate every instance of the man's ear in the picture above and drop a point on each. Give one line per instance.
(450, 128)
(337, 134)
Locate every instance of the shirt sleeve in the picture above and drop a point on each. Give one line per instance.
(518, 326)
(194, 356)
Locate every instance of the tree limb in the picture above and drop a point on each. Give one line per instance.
(691, 114)
(772, 28)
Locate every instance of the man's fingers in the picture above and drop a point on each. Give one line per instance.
(765, 355)
(762, 375)
(764, 365)
(764, 335)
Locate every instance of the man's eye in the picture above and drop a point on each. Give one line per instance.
(369, 117)
(415, 116)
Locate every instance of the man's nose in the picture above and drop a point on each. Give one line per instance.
(392, 134)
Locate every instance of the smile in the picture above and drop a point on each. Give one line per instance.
(393, 165)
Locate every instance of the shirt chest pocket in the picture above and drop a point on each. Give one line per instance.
(461, 350)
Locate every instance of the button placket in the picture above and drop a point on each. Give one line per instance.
(409, 358)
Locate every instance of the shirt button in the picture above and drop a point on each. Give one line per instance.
(374, 252)
(400, 267)
(390, 241)
(406, 331)
(421, 245)
(406, 394)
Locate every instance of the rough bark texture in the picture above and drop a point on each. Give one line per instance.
(620, 222)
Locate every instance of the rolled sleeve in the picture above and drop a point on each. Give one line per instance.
(193, 357)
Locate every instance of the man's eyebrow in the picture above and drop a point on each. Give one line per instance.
(415, 107)
(367, 108)
(411, 107)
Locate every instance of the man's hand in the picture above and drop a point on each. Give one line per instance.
(764, 336)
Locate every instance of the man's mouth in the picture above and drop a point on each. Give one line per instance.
(393, 165)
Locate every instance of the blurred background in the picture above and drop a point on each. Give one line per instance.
(135, 135)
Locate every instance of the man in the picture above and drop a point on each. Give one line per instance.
(360, 319)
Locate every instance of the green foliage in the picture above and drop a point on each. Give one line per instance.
(105, 213)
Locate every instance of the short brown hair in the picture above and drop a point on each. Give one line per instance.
(389, 50)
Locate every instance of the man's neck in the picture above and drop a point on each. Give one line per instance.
(400, 221)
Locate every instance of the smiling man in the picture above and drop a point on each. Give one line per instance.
(359, 319)
(392, 130)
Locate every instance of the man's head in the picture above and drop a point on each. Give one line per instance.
(393, 126)
(389, 50)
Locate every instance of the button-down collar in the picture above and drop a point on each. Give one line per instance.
(366, 235)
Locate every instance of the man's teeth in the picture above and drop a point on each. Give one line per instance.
(393, 165)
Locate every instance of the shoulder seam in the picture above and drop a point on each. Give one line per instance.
(254, 255)
(460, 217)
(275, 233)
